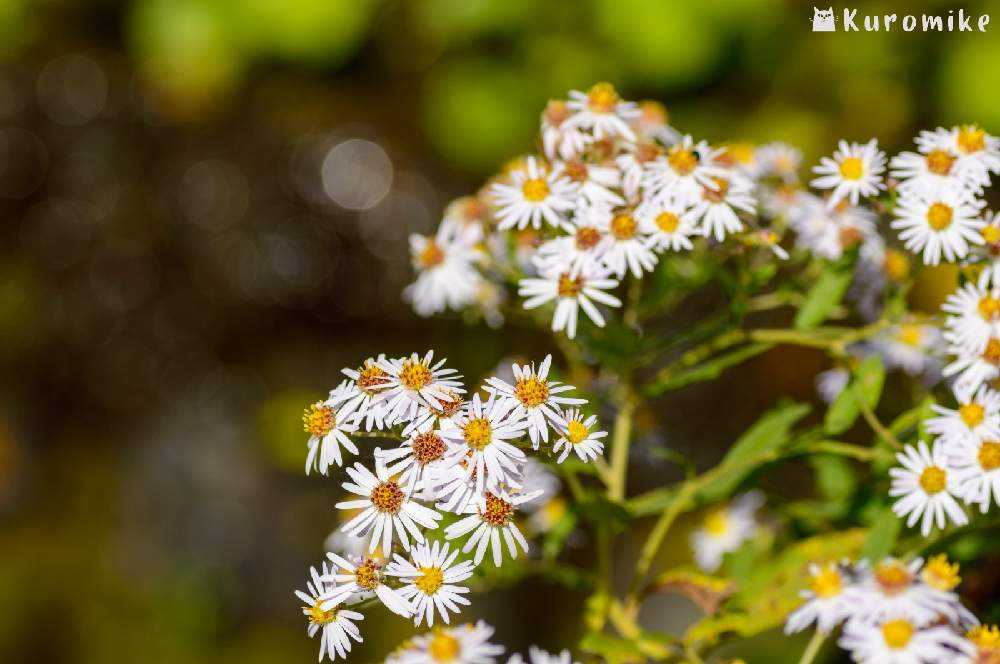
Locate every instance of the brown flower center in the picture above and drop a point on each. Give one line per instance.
(387, 497)
(570, 286)
(428, 447)
(498, 512)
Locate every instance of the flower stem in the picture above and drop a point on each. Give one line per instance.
(813, 647)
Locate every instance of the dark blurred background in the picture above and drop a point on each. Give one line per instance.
(206, 206)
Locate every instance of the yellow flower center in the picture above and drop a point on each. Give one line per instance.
(940, 162)
(478, 433)
(972, 414)
(971, 139)
(415, 375)
(569, 286)
(367, 575)
(985, 637)
(896, 265)
(941, 574)
(933, 479)
(827, 582)
(667, 222)
(535, 190)
(892, 577)
(717, 522)
(370, 378)
(989, 307)
(989, 455)
(681, 160)
(556, 112)
(444, 647)
(318, 616)
(653, 111)
(602, 98)
(897, 633)
(740, 153)
(939, 216)
(991, 234)
(717, 195)
(387, 497)
(498, 511)
(587, 238)
(531, 391)
(576, 432)
(430, 255)
(427, 447)
(992, 352)
(430, 580)
(852, 168)
(623, 226)
(555, 510)
(318, 419)
(910, 334)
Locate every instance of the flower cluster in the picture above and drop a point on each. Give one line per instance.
(457, 455)
(614, 188)
(895, 612)
(466, 644)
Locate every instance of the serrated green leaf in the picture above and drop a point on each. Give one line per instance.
(824, 296)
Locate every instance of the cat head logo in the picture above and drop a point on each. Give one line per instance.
(823, 20)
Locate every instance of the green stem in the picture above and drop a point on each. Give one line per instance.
(880, 429)
(813, 647)
(659, 532)
(620, 440)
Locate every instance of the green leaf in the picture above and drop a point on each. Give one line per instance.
(770, 432)
(835, 477)
(867, 382)
(882, 536)
(709, 370)
(824, 296)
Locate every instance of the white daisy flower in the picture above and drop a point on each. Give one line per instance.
(603, 112)
(431, 580)
(942, 577)
(412, 382)
(385, 507)
(492, 520)
(854, 171)
(716, 211)
(778, 160)
(533, 194)
(829, 232)
(446, 275)
(940, 220)
(975, 464)
(627, 249)
(536, 396)
(571, 292)
(561, 138)
(581, 249)
(976, 418)
(973, 369)
(538, 656)
(926, 488)
(936, 168)
(363, 396)
(899, 641)
(665, 225)
(683, 172)
(895, 589)
(464, 644)
(349, 583)
(327, 430)
(480, 434)
(974, 312)
(653, 123)
(422, 457)
(978, 152)
(724, 529)
(827, 602)
(912, 347)
(578, 435)
(433, 415)
(596, 183)
(335, 626)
